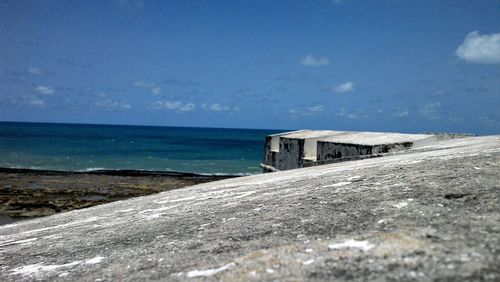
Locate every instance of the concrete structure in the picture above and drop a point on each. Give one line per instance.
(305, 148)
(292, 149)
(428, 214)
(272, 149)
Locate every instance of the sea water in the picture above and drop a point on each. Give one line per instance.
(78, 147)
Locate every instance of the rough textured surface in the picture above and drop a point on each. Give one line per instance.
(331, 151)
(291, 154)
(430, 213)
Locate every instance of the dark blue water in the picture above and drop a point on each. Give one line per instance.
(89, 147)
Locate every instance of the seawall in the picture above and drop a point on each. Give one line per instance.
(430, 213)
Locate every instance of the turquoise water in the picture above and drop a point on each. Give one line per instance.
(76, 147)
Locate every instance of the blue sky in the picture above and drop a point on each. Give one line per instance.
(395, 65)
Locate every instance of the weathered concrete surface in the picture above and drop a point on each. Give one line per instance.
(271, 147)
(297, 147)
(430, 213)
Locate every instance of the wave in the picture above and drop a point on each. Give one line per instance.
(90, 169)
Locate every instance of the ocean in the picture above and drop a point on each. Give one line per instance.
(82, 147)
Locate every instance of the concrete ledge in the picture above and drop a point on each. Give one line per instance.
(305, 148)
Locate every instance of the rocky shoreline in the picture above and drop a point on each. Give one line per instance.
(27, 193)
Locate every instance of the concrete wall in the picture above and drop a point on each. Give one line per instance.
(310, 148)
(268, 158)
(291, 153)
(272, 147)
(275, 143)
(303, 148)
(329, 151)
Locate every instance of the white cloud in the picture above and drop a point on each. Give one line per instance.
(456, 119)
(110, 104)
(171, 105)
(480, 49)
(174, 106)
(312, 61)
(400, 112)
(144, 84)
(37, 102)
(353, 115)
(35, 71)
(156, 90)
(344, 87)
(342, 112)
(216, 107)
(358, 113)
(189, 107)
(44, 90)
(153, 87)
(490, 120)
(315, 109)
(308, 111)
(430, 111)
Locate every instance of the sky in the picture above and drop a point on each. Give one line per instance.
(394, 65)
